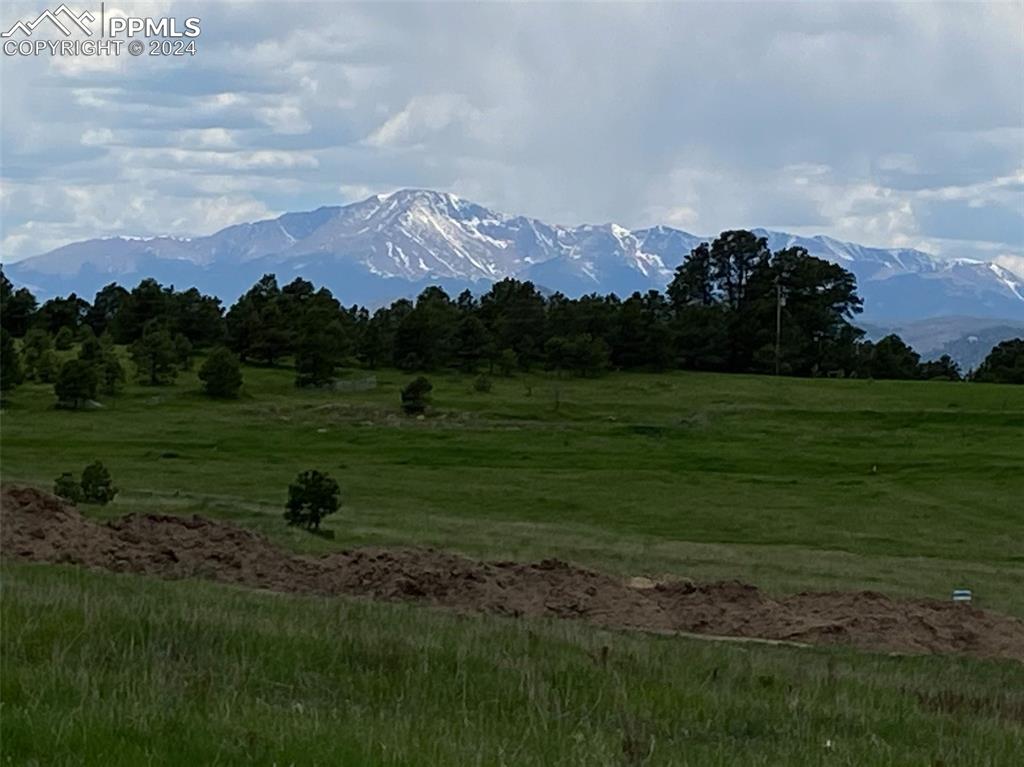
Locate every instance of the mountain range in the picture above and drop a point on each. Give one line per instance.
(389, 246)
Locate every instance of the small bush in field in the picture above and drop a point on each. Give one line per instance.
(97, 486)
(482, 384)
(311, 497)
(416, 396)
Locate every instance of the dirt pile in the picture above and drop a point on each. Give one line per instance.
(37, 526)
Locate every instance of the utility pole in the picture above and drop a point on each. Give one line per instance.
(779, 303)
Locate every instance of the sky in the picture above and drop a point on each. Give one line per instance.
(889, 124)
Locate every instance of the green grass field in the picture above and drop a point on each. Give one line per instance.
(904, 487)
(126, 671)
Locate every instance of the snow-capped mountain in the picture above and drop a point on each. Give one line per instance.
(390, 246)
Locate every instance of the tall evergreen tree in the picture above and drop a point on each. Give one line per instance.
(424, 336)
(17, 307)
(76, 384)
(514, 314)
(318, 351)
(106, 306)
(36, 347)
(147, 301)
(155, 355)
(694, 281)
(472, 342)
(11, 373)
(812, 300)
(199, 318)
(59, 313)
(735, 256)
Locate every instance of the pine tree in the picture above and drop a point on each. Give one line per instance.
(11, 373)
(311, 497)
(76, 384)
(155, 355)
(221, 373)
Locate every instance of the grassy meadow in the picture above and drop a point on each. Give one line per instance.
(123, 671)
(905, 487)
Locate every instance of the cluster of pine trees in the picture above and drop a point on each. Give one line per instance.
(732, 306)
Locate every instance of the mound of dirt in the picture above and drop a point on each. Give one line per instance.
(37, 526)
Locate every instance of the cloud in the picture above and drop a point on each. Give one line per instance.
(81, 212)
(263, 159)
(287, 118)
(97, 137)
(887, 124)
(208, 138)
(424, 116)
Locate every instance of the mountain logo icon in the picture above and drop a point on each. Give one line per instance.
(59, 17)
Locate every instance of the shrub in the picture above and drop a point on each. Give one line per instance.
(76, 384)
(311, 497)
(221, 374)
(96, 484)
(416, 396)
(66, 487)
(482, 384)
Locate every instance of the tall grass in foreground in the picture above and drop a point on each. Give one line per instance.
(122, 670)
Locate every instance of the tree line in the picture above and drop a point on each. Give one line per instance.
(733, 305)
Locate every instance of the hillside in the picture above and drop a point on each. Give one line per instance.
(968, 340)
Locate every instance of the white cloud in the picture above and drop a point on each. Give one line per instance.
(884, 124)
(262, 159)
(357, 192)
(286, 118)
(221, 100)
(423, 116)
(207, 138)
(1006, 189)
(97, 137)
(81, 212)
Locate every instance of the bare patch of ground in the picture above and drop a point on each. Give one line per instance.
(37, 526)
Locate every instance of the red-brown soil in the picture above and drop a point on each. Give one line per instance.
(37, 526)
